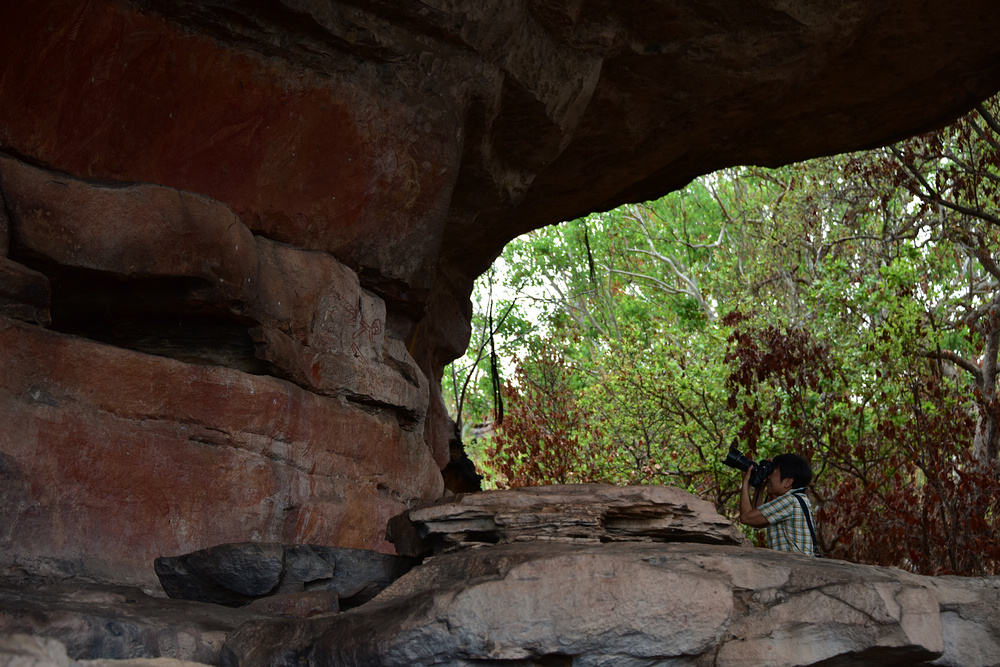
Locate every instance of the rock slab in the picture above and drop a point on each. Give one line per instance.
(561, 513)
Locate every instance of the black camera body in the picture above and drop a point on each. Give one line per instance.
(761, 471)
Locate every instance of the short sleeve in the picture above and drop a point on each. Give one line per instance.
(778, 509)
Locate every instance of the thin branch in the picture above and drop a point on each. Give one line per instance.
(988, 117)
(672, 264)
(980, 173)
(958, 360)
(935, 197)
(669, 289)
(986, 261)
(580, 315)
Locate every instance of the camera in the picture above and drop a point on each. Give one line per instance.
(761, 471)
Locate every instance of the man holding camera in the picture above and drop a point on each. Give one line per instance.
(787, 515)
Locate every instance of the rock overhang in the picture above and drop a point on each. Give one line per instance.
(386, 151)
(411, 139)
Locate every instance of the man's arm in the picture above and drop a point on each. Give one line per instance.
(749, 514)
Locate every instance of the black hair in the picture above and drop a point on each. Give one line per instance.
(796, 467)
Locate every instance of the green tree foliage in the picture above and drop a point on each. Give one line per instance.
(898, 483)
(846, 308)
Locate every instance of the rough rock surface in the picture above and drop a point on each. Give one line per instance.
(389, 134)
(229, 293)
(576, 513)
(150, 419)
(113, 458)
(94, 622)
(636, 605)
(18, 650)
(237, 574)
(558, 595)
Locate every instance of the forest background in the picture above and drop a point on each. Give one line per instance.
(845, 308)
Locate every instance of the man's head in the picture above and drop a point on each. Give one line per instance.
(791, 471)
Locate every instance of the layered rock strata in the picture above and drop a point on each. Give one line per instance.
(180, 383)
(568, 513)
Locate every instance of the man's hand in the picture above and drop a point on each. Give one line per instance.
(749, 514)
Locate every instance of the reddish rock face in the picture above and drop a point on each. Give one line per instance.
(102, 91)
(225, 202)
(112, 457)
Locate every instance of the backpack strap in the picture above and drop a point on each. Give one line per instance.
(812, 532)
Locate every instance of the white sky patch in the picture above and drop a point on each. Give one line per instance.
(923, 235)
(528, 299)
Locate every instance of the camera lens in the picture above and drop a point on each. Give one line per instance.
(735, 459)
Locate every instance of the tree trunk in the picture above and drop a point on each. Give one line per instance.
(986, 444)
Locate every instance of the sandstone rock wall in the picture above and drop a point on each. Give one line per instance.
(178, 382)
(238, 237)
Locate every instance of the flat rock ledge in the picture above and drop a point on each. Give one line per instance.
(567, 513)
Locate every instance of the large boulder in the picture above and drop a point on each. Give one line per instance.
(239, 574)
(635, 605)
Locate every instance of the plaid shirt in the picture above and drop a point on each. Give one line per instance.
(787, 529)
